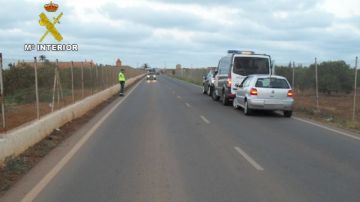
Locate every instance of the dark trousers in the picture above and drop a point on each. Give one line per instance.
(122, 85)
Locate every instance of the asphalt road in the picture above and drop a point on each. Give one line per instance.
(168, 142)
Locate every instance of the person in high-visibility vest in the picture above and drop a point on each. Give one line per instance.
(122, 80)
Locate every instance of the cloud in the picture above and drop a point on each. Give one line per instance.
(193, 33)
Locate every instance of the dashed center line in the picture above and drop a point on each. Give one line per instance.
(249, 159)
(187, 104)
(179, 97)
(205, 119)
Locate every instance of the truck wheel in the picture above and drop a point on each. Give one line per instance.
(214, 96)
(224, 100)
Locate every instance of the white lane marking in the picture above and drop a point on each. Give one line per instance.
(30, 196)
(179, 97)
(328, 128)
(249, 159)
(187, 104)
(205, 119)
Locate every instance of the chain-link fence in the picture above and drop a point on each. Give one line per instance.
(31, 89)
(325, 90)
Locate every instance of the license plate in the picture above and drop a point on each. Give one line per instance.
(273, 102)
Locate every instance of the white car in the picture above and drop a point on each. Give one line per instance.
(265, 92)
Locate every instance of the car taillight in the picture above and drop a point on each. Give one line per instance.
(290, 93)
(229, 81)
(253, 91)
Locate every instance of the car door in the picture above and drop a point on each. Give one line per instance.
(223, 74)
(241, 92)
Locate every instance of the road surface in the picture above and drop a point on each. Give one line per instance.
(168, 142)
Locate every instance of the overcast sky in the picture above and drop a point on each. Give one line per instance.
(192, 33)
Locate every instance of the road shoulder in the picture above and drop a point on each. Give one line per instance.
(74, 132)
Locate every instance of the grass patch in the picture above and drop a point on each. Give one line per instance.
(196, 82)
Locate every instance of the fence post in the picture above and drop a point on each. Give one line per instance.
(96, 78)
(102, 77)
(82, 79)
(316, 85)
(72, 81)
(2, 93)
(355, 89)
(92, 82)
(54, 87)
(36, 89)
(293, 75)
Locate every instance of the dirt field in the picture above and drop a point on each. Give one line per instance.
(334, 109)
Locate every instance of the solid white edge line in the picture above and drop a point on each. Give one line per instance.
(205, 119)
(249, 159)
(328, 128)
(30, 196)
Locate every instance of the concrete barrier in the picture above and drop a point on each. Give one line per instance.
(18, 140)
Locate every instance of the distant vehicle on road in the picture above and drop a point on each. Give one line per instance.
(208, 83)
(151, 76)
(264, 92)
(233, 68)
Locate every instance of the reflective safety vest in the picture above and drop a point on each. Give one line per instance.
(121, 77)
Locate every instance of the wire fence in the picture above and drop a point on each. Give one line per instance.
(325, 90)
(33, 89)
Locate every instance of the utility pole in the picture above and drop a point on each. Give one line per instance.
(355, 89)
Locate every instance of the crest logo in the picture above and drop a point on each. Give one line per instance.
(50, 26)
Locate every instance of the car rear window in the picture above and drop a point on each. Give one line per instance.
(271, 83)
(251, 65)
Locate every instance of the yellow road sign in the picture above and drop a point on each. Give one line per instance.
(50, 26)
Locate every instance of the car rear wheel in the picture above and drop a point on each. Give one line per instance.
(214, 96)
(247, 111)
(288, 114)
